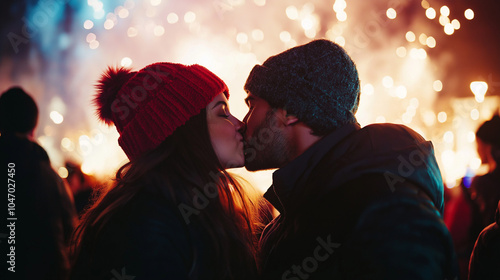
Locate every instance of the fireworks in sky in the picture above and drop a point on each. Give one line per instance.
(406, 53)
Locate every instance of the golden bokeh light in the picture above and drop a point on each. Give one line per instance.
(410, 36)
(56, 117)
(445, 11)
(285, 36)
(342, 16)
(479, 89)
(444, 20)
(172, 18)
(425, 4)
(292, 12)
(126, 62)
(189, 17)
(442, 117)
(474, 114)
(387, 81)
(401, 51)
(469, 14)
(437, 85)
(448, 29)
(430, 42)
(63, 172)
(391, 13)
(422, 39)
(430, 13)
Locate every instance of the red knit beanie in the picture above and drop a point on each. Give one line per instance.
(149, 105)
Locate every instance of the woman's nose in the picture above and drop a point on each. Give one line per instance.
(237, 123)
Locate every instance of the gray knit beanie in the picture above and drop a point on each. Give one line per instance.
(316, 82)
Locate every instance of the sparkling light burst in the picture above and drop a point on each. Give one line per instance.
(397, 58)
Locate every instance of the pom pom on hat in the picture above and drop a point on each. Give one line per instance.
(108, 87)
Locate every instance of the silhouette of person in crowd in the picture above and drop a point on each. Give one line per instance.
(43, 212)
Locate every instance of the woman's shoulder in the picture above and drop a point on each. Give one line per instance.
(144, 218)
(146, 236)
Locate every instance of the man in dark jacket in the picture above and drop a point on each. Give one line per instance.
(38, 215)
(354, 203)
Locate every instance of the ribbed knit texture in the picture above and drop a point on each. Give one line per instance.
(317, 82)
(157, 100)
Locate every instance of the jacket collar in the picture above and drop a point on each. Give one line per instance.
(296, 172)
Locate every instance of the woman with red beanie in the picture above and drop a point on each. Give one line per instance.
(173, 212)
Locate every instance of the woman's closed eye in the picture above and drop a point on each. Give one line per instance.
(224, 113)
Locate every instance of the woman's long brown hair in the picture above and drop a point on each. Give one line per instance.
(187, 155)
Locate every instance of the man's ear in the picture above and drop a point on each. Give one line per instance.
(291, 120)
(287, 119)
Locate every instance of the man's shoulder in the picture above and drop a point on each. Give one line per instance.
(490, 236)
(390, 128)
(372, 194)
(372, 186)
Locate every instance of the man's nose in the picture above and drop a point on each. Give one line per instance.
(242, 127)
